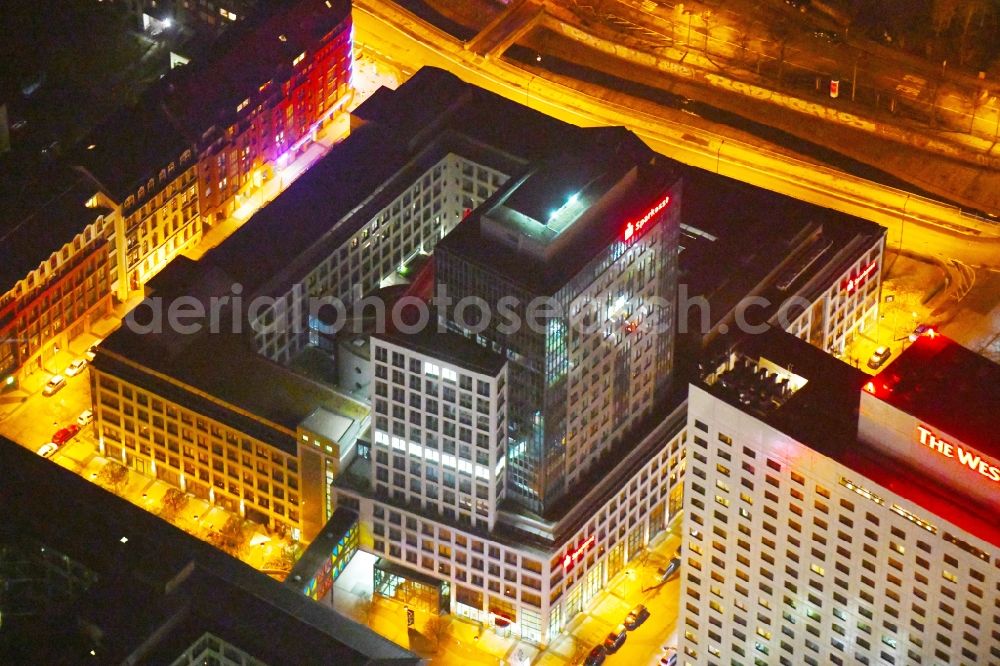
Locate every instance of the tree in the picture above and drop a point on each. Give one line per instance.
(437, 629)
(231, 538)
(114, 475)
(365, 608)
(286, 558)
(173, 501)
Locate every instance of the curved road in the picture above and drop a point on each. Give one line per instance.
(915, 224)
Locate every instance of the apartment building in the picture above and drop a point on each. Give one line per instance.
(56, 281)
(153, 186)
(833, 520)
(252, 103)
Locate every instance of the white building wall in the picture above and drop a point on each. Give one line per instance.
(532, 582)
(411, 224)
(791, 558)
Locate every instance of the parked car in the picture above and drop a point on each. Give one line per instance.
(86, 417)
(596, 656)
(90, 353)
(801, 5)
(636, 617)
(46, 450)
(922, 329)
(54, 385)
(616, 639)
(669, 661)
(76, 367)
(879, 357)
(670, 570)
(63, 435)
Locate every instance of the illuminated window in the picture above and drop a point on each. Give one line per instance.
(947, 575)
(719, 499)
(817, 569)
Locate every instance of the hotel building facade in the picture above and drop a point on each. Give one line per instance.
(823, 523)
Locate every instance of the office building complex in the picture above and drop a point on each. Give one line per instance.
(591, 234)
(833, 519)
(268, 413)
(818, 271)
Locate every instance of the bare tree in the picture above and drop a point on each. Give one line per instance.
(173, 501)
(436, 628)
(114, 475)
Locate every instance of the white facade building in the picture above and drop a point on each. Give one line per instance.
(825, 551)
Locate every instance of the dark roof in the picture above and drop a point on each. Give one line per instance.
(408, 138)
(605, 156)
(823, 414)
(248, 55)
(756, 234)
(159, 574)
(450, 347)
(317, 554)
(950, 387)
(40, 211)
(285, 228)
(131, 146)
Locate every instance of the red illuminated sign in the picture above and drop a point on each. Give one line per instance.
(856, 282)
(633, 228)
(574, 556)
(969, 458)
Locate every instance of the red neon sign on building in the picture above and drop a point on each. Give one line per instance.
(856, 282)
(967, 457)
(633, 228)
(574, 556)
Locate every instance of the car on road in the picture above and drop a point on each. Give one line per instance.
(90, 353)
(669, 661)
(616, 639)
(46, 450)
(86, 417)
(63, 435)
(801, 5)
(828, 36)
(636, 617)
(76, 367)
(54, 385)
(879, 357)
(596, 656)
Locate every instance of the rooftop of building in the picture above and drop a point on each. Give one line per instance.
(822, 412)
(545, 225)
(737, 239)
(249, 55)
(131, 146)
(158, 589)
(409, 136)
(317, 553)
(41, 209)
(449, 347)
(950, 387)
(217, 373)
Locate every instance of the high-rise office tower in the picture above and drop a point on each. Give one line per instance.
(575, 262)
